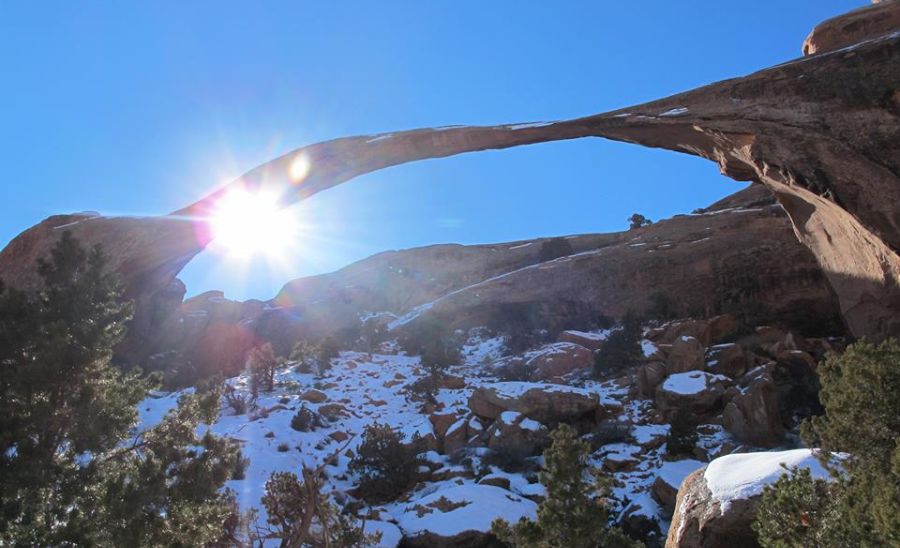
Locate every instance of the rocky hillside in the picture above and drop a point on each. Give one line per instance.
(481, 437)
(737, 255)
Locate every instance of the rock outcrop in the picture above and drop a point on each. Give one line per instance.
(548, 404)
(717, 504)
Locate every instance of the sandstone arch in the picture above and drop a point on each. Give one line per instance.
(822, 132)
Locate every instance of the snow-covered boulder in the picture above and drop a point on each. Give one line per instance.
(697, 390)
(460, 515)
(687, 354)
(557, 360)
(546, 403)
(516, 435)
(717, 504)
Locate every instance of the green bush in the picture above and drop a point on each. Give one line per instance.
(554, 248)
(682, 437)
(861, 396)
(386, 466)
(72, 472)
(622, 349)
(574, 514)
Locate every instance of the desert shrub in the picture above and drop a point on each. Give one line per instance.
(554, 248)
(386, 466)
(861, 396)
(238, 402)
(329, 349)
(682, 437)
(425, 389)
(574, 514)
(605, 322)
(637, 221)
(372, 333)
(261, 365)
(433, 340)
(622, 349)
(306, 420)
(301, 515)
(304, 353)
(661, 307)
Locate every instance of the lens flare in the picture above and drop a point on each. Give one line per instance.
(244, 223)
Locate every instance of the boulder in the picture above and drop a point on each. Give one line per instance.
(649, 377)
(716, 505)
(727, 359)
(515, 435)
(453, 382)
(753, 413)
(546, 403)
(456, 437)
(592, 341)
(460, 516)
(314, 396)
(557, 360)
(668, 480)
(697, 390)
(687, 354)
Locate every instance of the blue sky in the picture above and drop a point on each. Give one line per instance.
(140, 108)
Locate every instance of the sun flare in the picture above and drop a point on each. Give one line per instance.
(245, 223)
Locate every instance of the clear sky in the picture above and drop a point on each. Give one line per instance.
(141, 107)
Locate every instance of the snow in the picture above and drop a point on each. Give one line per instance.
(590, 335)
(673, 473)
(680, 111)
(648, 348)
(744, 475)
(390, 533)
(530, 125)
(380, 138)
(691, 382)
(478, 506)
(520, 246)
(530, 424)
(515, 389)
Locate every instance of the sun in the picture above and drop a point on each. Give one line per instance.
(245, 223)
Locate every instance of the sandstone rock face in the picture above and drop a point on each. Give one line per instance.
(687, 354)
(858, 25)
(649, 377)
(707, 262)
(697, 390)
(557, 360)
(546, 403)
(592, 341)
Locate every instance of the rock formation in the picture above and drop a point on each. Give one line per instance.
(821, 132)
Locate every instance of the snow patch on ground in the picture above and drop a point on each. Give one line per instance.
(468, 508)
